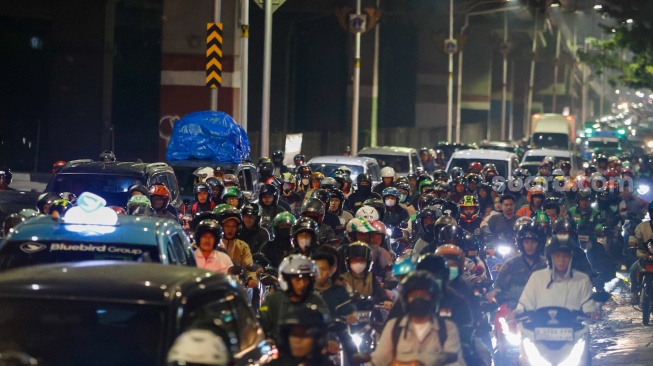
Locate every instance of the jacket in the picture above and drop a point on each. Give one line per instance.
(513, 275)
(409, 348)
(255, 238)
(570, 292)
(366, 286)
(394, 216)
(643, 233)
(240, 254)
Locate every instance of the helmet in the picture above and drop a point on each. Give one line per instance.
(107, 156)
(489, 168)
(221, 207)
(295, 265)
(424, 184)
(551, 202)
(403, 186)
(586, 193)
(230, 179)
(283, 218)
(364, 177)
(209, 226)
(289, 181)
(457, 182)
(529, 232)
(427, 217)
(558, 244)
(136, 202)
(265, 169)
(565, 164)
(536, 191)
(277, 155)
(368, 213)
(343, 169)
(565, 224)
(521, 173)
(214, 182)
(159, 190)
(299, 159)
(440, 175)
(304, 171)
(457, 172)
(404, 265)
(557, 173)
(421, 280)
(322, 194)
(451, 234)
(442, 222)
(230, 192)
(449, 251)
(469, 201)
(450, 209)
(434, 264)
(542, 223)
(390, 191)
(199, 347)
(473, 177)
(313, 208)
(229, 213)
(269, 190)
(336, 193)
(475, 167)
(378, 204)
(307, 316)
(358, 249)
(544, 164)
(387, 172)
(11, 221)
(550, 159)
(305, 224)
(138, 188)
(591, 169)
(61, 206)
(45, 198)
(428, 199)
(201, 187)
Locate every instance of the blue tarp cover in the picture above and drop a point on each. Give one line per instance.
(208, 135)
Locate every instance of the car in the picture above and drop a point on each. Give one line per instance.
(120, 313)
(506, 162)
(448, 148)
(245, 171)
(500, 145)
(356, 164)
(403, 160)
(111, 180)
(533, 158)
(95, 233)
(602, 144)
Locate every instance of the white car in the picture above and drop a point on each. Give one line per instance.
(403, 160)
(533, 158)
(356, 164)
(506, 162)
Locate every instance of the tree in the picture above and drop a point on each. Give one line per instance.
(629, 50)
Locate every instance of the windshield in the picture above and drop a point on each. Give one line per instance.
(539, 158)
(550, 140)
(502, 165)
(28, 253)
(186, 180)
(397, 162)
(499, 148)
(113, 188)
(327, 169)
(81, 333)
(602, 144)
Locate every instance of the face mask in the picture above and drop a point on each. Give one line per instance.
(283, 233)
(402, 197)
(563, 236)
(390, 202)
(305, 182)
(364, 189)
(439, 282)
(419, 307)
(358, 268)
(453, 273)
(304, 243)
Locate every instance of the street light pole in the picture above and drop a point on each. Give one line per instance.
(375, 84)
(244, 62)
(267, 67)
(216, 19)
(531, 82)
(450, 79)
(504, 80)
(356, 88)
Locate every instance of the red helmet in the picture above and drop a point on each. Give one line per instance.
(475, 167)
(159, 190)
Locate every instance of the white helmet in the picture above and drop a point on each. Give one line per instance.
(295, 265)
(203, 173)
(387, 172)
(352, 225)
(368, 213)
(199, 346)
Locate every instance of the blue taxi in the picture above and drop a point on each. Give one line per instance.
(91, 231)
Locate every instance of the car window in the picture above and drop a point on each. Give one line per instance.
(171, 253)
(397, 162)
(179, 248)
(113, 188)
(174, 186)
(375, 171)
(416, 161)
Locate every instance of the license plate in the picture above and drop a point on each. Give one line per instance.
(554, 334)
(364, 316)
(583, 238)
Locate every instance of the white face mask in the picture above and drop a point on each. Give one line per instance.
(358, 268)
(304, 243)
(390, 202)
(305, 182)
(563, 236)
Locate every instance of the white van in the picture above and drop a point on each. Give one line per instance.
(552, 131)
(506, 162)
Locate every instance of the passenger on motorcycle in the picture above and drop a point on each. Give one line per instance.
(216, 187)
(336, 205)
(233, 196)
(268, 199)
(501, 225)
(252, 233)
(289, 191)
(296, 281)
(160, 198)
(420, 337)
(315, 181)
(330, 218)
(373, 233)
(313, 208)
(208, 255)
(202, 202)
(358, 261)
(558, 285)
(282, 244)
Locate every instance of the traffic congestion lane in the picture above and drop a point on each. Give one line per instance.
(621, 339)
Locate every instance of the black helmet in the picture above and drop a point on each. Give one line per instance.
(364, 177)
(299, 159)
(5, 173)
(307, 315)
(426, 200)
(450, 208)
(271, 190)
(552, 202)
(209, 226)
(451, 234)
(558, 244)
(138, 188)
(336, 193)
(201, 187)
(457, 172)
(11, 221)
(228, 214)
(442, 222)
(329, 183)
(521, 173)
(322, 195)
(434, 264)
(565, 224)
(277, 154)
(314, 208)
(265, 169)
(428, 212)
(358, 249)
(251, 210)
(586, 193)
(420, 280)
(529, 232)
(304, 171)
(213, 182)
(440, 175)
(305, 224)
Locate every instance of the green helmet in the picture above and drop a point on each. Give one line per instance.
(232, 192)
(139, 200)
(542, 217)
(221, 207)
(284, 218)
(424, 183)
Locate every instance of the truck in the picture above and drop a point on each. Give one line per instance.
(552, 131)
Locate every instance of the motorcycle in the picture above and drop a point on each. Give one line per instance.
(645, 268)
(508, 338)
(555, 335)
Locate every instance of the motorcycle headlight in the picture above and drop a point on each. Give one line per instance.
(511, 337)
(504, 250)
(643, 189)
(576, 354)
(356, 339)
(534, 356)
(388, 232)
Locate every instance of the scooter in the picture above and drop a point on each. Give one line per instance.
(508, 338)
(646, 272)
(555, 335)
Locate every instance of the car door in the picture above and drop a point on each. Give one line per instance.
(416, 162)
(179, 243)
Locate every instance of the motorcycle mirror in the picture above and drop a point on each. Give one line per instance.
(236, 271)
(478, 270)
(390, 284)
(396, 233)
(601, 296)
(361, 358)
(337, 326)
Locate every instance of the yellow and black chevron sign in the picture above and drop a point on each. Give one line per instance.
(213, 55)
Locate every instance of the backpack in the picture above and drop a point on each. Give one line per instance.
(396, 332)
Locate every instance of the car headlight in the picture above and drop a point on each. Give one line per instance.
(504, 250)
(512, 338)
(576, 354)
(534, 357)
(356, 339)
(643, 189)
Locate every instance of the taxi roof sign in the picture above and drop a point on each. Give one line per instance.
(91, 210)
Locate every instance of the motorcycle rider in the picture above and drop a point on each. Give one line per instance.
(202, 202)
(387, 180)
(314, 208)
(552, 208)
(299, 159)
(514, 273)
(336, 205)
(359, 278)
(362, 193)
(304, 175)
(251, 232)
(289, 192)
(277, 160)
(501, 225)
(372, 233)
(558, 285)
(238, 250)
(421, 336)
(208, 255)
(268, 199)
(5, 178)
(427, 162)
(296, 281)
(536, 197)
(330, 218)
(394, 213)
(643, 234)
(470, 220)
(233, 196)
(160, 198)
(139, 205)
(216, 187)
